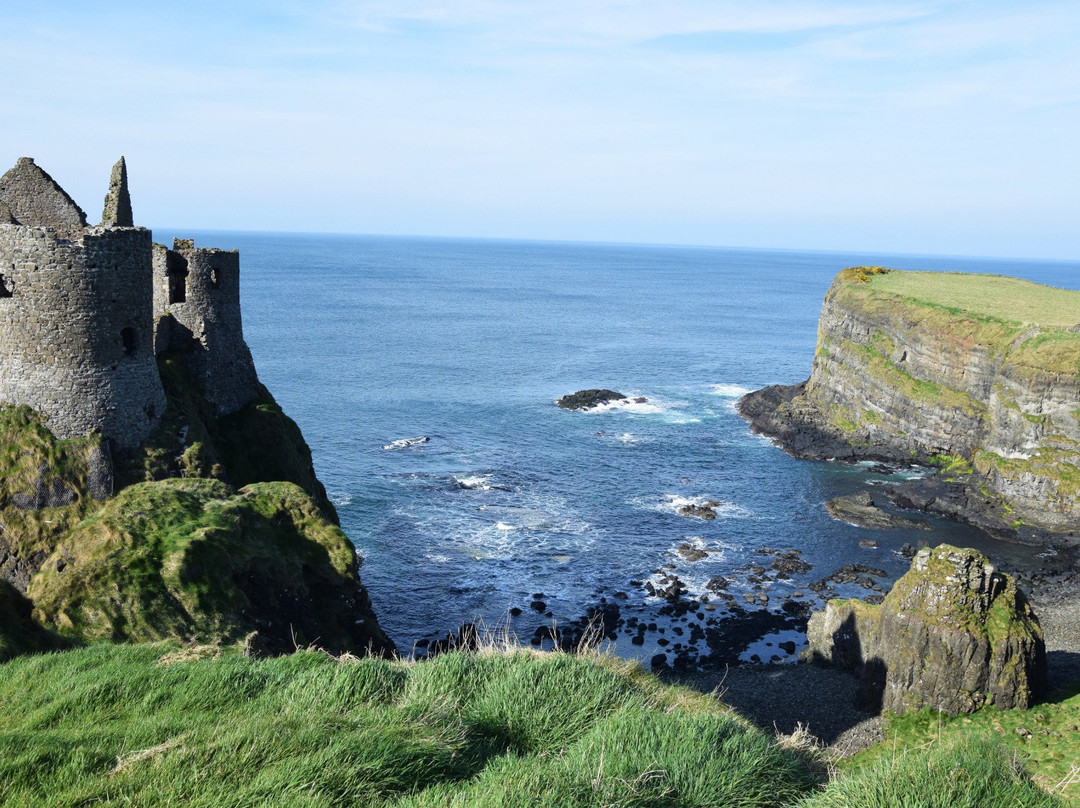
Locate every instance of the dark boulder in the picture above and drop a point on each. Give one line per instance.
(587, 399)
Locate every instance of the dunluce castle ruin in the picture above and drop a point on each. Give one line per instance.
(84, 310)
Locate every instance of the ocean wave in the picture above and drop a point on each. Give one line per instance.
(672, 503)
(730, 390)
(340, 500)
(474, 482)
(405, 443)
(638, 405)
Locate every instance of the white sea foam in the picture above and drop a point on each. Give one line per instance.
(341, 500)
(638, 405)
(672, 503)
(437, 558)
(729, 390)
(505, 526)
(474, 482)
(405, 443)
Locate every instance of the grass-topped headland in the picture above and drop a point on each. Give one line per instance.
(1035, 325)
(165, 725)
(913, 367)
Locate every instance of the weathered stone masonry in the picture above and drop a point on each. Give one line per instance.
(197, 303)
(78, 307)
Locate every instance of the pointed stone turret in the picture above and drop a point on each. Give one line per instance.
(117, 212)
(34, 199)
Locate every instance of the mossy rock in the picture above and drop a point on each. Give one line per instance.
(197, 560)
(46, 487)
(953, 634)
(257, 443)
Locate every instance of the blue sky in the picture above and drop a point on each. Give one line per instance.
(927, 127)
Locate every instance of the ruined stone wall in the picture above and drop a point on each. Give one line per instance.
(76, 330)
(197, 307)
(32, 198)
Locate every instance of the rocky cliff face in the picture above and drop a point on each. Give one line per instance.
(977, 374)
(952, 634)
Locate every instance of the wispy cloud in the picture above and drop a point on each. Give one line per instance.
(715, 121)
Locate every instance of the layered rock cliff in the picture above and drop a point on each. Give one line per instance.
(977, 374)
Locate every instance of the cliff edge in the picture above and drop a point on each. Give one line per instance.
(976, 374)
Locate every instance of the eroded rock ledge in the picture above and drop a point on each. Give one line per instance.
(978, 375)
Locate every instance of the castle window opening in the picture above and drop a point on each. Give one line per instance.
(177, 287)
(5, 287)
(215, 278)
(128, 337)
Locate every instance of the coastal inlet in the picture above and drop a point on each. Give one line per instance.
(470, 343)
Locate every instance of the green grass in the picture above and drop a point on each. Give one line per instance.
(997, 297)
(1026, 322)
(163, 724)
(115, 726)
(1046, 738)
(966, 772)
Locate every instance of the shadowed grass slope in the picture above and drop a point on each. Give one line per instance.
(114, 725)
(158, 725)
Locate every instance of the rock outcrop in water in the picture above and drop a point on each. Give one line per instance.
(953, 635)
(976, 374)
(587, 399)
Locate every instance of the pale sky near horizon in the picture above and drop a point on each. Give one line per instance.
(947, 127)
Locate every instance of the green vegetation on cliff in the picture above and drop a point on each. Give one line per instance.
(46, 486)
(195, 559)
(257, 443)
(156, 725)
(180, 550)
(1030, 322)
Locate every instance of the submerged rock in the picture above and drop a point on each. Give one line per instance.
(953, 635)
(860, 510)
(587, 399)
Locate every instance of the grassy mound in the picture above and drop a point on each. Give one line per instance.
(1047, 737)
(965, 773)
(164, 725)
(196, 559)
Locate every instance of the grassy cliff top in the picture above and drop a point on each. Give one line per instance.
(996, 296)
(1026, 322)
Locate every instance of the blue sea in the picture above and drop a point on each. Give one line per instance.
(370, 341)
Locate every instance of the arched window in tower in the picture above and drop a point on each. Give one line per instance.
(128, 337)
(5, 287)
(215, 278)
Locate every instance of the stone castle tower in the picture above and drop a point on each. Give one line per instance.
(78, 308)
(197, 308)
